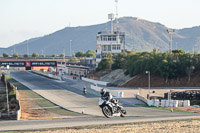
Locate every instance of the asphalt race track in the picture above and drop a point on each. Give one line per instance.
(68, 94)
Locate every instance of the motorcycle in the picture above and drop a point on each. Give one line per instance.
(111, 108)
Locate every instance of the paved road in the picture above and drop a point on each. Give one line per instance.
(68, 94)
(58, 123)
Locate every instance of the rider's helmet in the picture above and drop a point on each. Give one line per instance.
(103, 91)
(114, 101)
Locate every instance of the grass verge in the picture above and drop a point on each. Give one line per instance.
(174, 110)
(41, 101)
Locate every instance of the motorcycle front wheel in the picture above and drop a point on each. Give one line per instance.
(123, 113)
(107, 111)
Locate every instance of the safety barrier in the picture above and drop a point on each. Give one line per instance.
(164, 103)
(95, 81)
(175, 103)
(114, 93)
(154, 102)
(142, 98)
(19, 111)
(47, 75)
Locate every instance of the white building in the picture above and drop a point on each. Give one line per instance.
(112, 42)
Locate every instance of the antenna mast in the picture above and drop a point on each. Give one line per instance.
(116, 18)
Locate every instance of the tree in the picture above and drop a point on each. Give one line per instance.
(178, 51)
(103, 65)
(35, 55)
(74, 59)
(131, 52)
(62, 55)
(54, 55)
(5, 55)
(189, 65)
(119, 61)
(43, 55)
(80, 54)
(15, 55)
(90, 53)
(25, 56)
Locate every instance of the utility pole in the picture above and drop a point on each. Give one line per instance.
(7, 98)
(116, 18)
(170, 31)
(14, 50)
(42, 52)
(27, 51)
(64, 56)
(70, 48)
(149, 82)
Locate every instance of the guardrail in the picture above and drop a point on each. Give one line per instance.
(47, 75)
(95, 81)
(19, 111)
(141, 98)
(114, 93)
(164, 103)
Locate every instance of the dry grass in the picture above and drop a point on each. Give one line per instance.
(186, 126)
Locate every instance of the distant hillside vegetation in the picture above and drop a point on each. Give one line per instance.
(141, 35)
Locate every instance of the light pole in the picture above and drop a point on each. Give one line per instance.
(14, 49)
(7, 97)
(170, 31)
(149, 83)
(27, 51)
(70, 48)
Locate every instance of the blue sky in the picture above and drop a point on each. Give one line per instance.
(24, 19)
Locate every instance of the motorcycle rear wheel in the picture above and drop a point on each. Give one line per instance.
(107, 111)
(122, 115)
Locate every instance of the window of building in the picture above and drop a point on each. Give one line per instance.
(114, 38)
(118, 47)
(113, 47)
(109, 38)
(104, 47)
(104, 38)
(109, 47)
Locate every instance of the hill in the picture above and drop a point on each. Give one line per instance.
(141, 35)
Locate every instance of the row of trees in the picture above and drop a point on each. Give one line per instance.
(175, 65)
(89, 53)
(25, 55)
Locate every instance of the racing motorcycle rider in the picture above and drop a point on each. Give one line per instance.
(107, 96)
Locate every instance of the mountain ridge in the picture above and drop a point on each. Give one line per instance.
(141, 35)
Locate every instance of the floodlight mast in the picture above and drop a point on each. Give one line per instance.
(170, 31)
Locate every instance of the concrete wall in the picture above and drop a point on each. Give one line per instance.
(95, 81)
(47, 75)
(114, 93)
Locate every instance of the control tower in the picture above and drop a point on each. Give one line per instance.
(112, 42)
